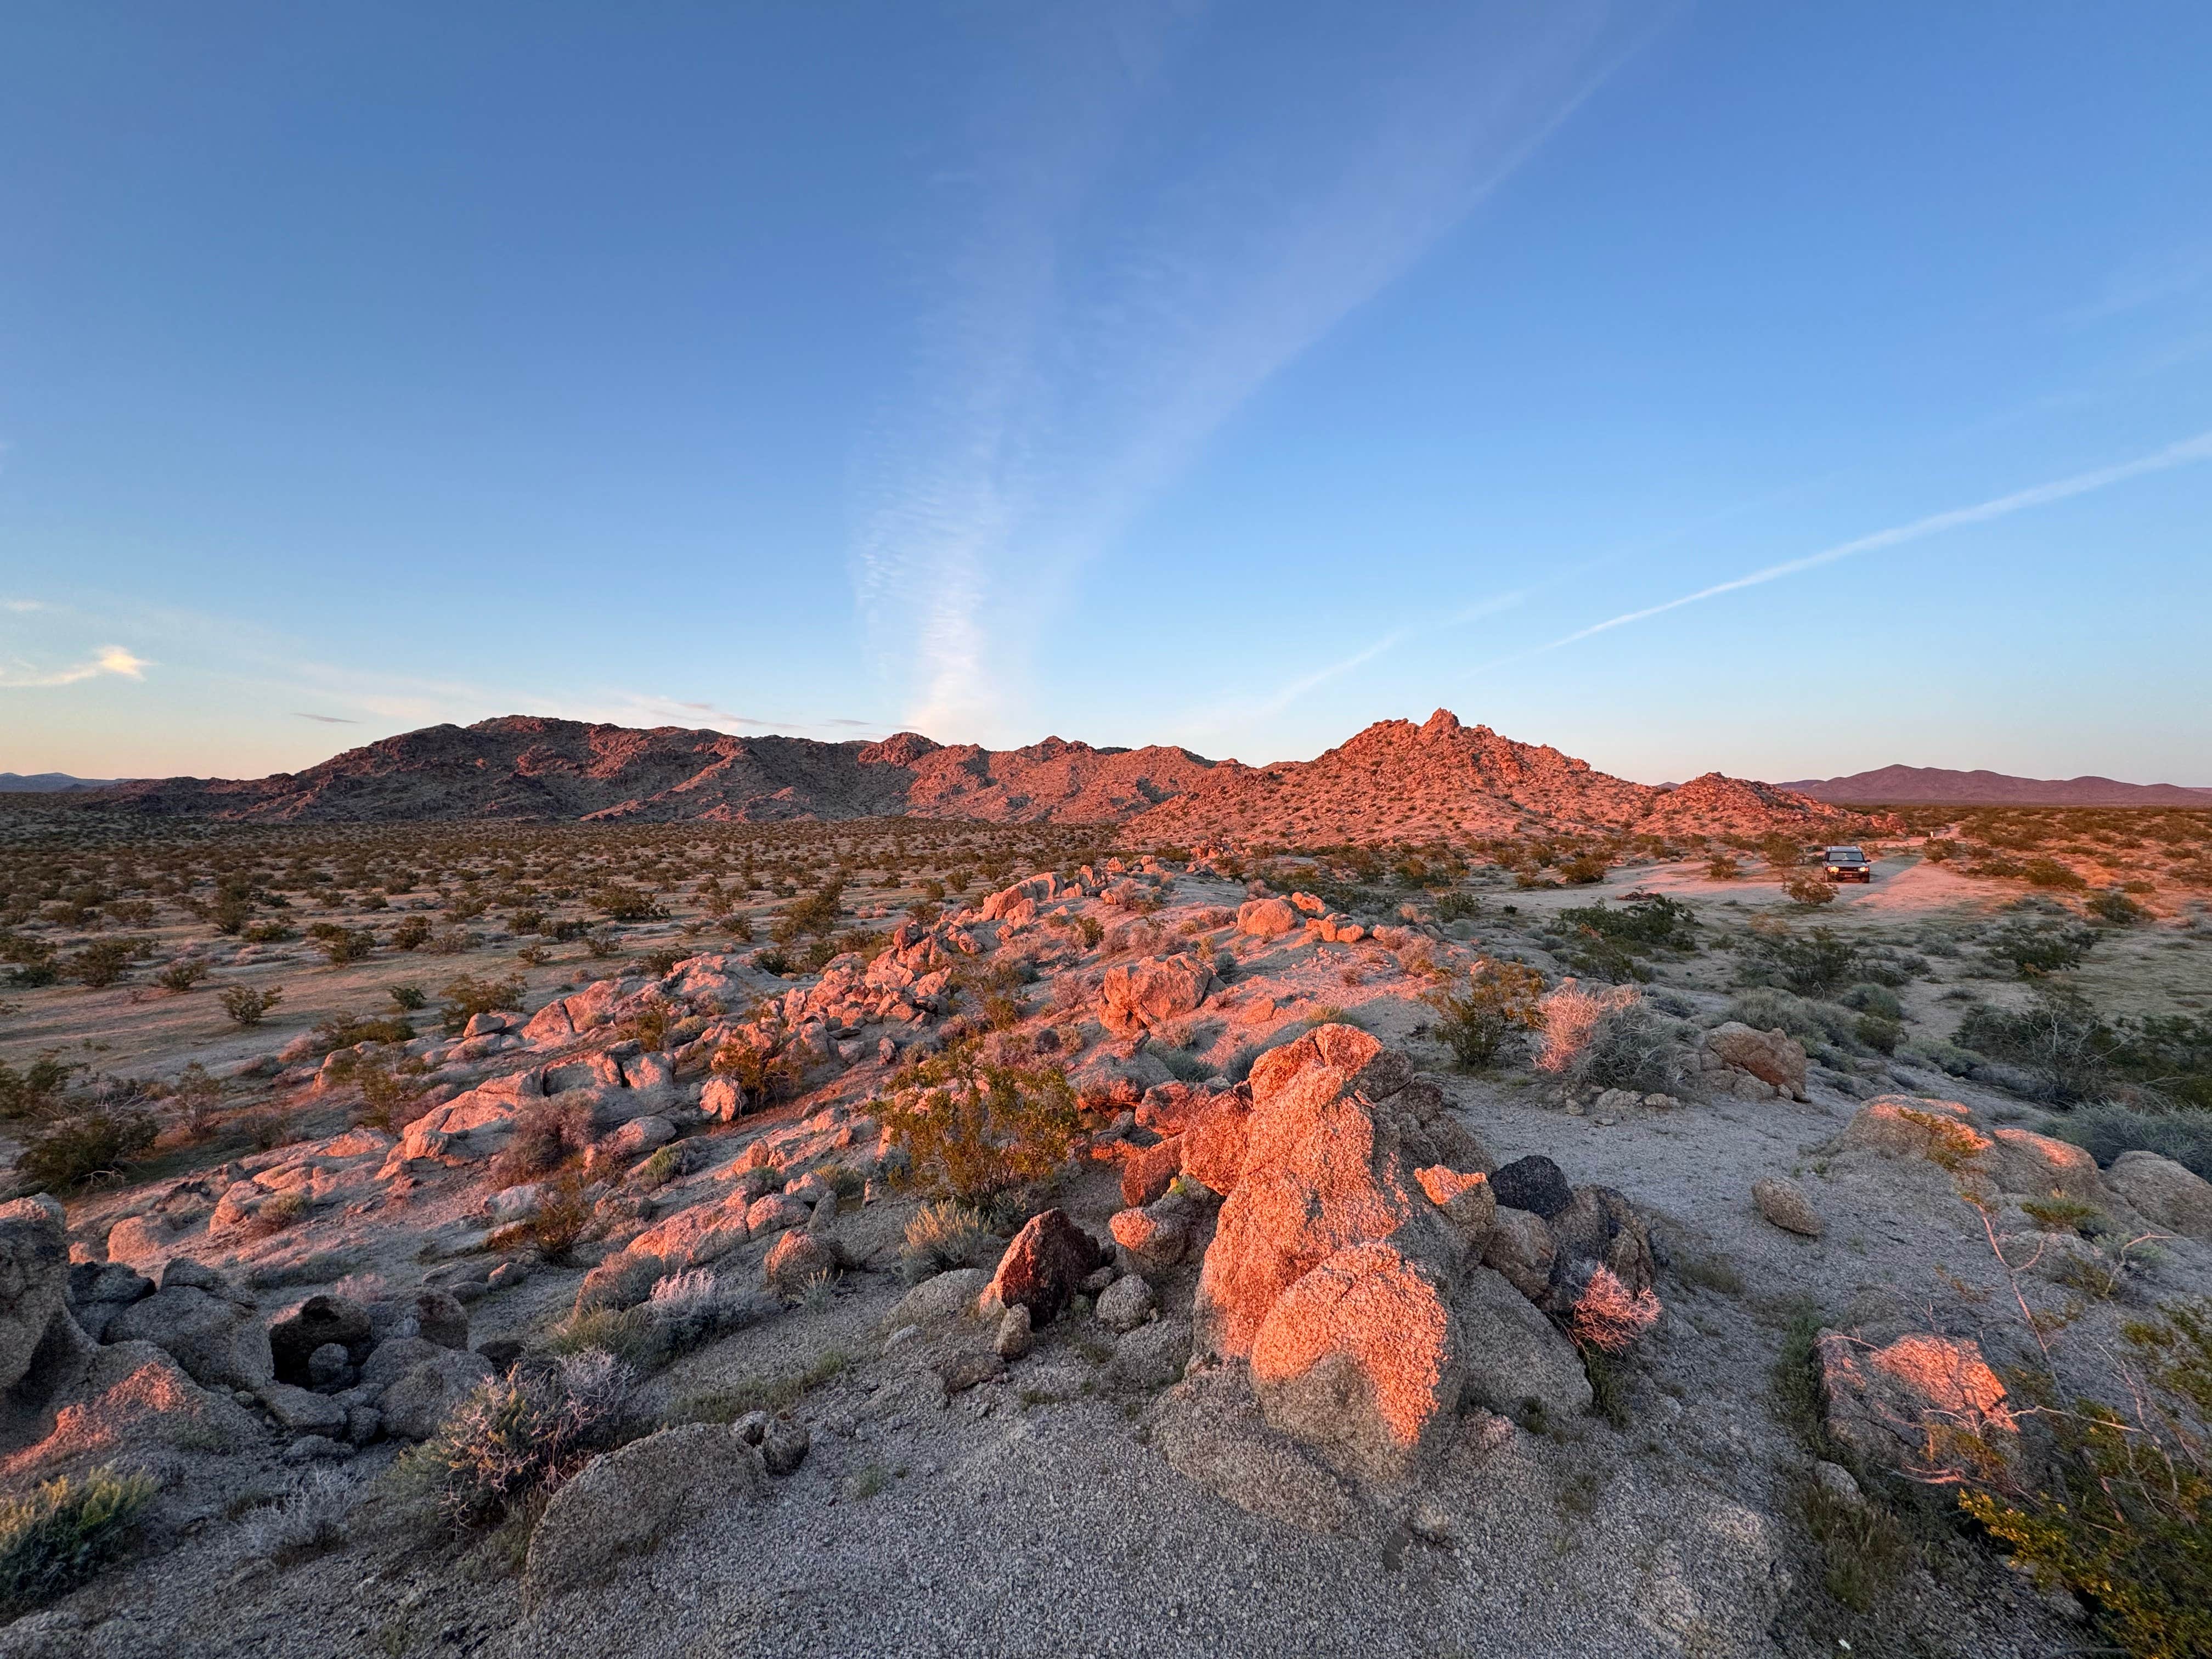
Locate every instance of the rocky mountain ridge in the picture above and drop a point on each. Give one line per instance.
(528, 767)
(1393, 781)
(1941, 786)
(1400, 782)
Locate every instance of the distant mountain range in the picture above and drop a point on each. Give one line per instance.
(50, 783)
(1899, 786)
(1394, 781)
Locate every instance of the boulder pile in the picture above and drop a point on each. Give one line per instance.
(1368, 1270)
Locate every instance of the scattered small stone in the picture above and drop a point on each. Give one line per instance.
(1784, 1203)
(1838, 1482)
(1126, 1304)
(1014, 1338)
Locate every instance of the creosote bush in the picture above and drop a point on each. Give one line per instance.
(2122, 1512)
(249, 1005)
(972, 1131)
(1501, 1000)
(467, 995)
(100, 1143)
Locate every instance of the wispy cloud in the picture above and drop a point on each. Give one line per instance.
(324, 720)
(1098, 324)
(2148, 283)
(107, 659)
(2182, 453)
(23, 606)
(1236, 717)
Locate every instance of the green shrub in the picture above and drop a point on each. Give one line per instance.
(2058, 1040)
(248, 1004)
(762, 1076)
(1502, 999)
(100, 1143)
(343, 1031)
(973, 1131)
(2050, 873)
(61, 1532)
(619, 902)
(2115, 908)
(1877, 1000)
(466, 995)
(411, 935)
(2035, 945)
(816, 914)
(1864, 1552)
(34, 1091)
(1646, 923)
(408, 998)
(101, 962)
(1763, 1008)
(182, 975)
(2122, 1513)
(657, 1170)
(1878, 1034)
(341, 945)
(1809, 888)
(1811, 964)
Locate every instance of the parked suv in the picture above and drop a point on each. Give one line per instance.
(1848, 863)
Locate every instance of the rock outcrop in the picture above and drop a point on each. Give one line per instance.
(1343, 1280)
(1904, 1403)
(2163, 1193)
(629, 1501)
(1773, 1058)
(205, 1323)
(35, 1271)
(1044, 1267)
(1154, 993)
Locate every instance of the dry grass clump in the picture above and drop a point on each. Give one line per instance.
(1572, 1014)
(61, 1532)
(518, 1437)
(1608, 1039)
(308, 1517)
(938, 1238)
(547, 1134)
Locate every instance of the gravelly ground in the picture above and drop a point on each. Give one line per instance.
(1030, 1516)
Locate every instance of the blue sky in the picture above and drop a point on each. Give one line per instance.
(1225, 374)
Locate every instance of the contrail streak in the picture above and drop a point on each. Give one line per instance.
(2198, 448)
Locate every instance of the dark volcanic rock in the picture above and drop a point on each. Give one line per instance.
(1533, 1183)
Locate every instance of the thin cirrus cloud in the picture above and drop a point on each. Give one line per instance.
(2183, 452)
(107, 659)
(1094, 330)
(323, 719)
